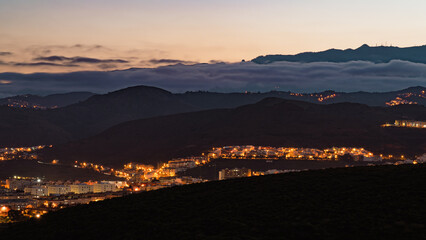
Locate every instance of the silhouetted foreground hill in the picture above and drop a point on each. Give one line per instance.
(354, 203)
(25, 127)
(50, 101)
(271, 122)
(380, 54)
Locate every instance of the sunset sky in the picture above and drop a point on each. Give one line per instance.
(130, 33)
(52, 46)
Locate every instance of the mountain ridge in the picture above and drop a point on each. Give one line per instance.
(379, 54)
(100, 112)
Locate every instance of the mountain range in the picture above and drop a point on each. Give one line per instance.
(379, 54)
(26, 127)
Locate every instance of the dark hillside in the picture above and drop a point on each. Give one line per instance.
(271, 122)
(103, 111)
(46, 102)
(353, 203)
(100, 112)
(25, 127)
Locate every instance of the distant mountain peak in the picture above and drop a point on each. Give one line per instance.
(141, 88)
(364, 46)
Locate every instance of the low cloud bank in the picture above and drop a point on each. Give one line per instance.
(223, 77)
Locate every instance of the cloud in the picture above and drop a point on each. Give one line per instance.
(107, 66)
(5, 53)
(95, 60)
(52, 58)
(88, 47)
(235, 77)
(42, 50)
(36, 64)
(79, 59)
(169, 61)
(216, 61)
(5, 82)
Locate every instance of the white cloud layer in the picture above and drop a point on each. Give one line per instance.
(223, 77)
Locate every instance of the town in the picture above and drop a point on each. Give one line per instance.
(406, 124)
(19, 153)
(404, 98)
(24, 197)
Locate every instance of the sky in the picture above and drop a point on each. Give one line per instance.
(105, 35)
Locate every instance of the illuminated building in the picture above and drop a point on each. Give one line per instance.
(422, 159)
(58, 189)
(18, 184)
(234, 173)
(39, 191)
(81, 188)
(103, 187)
(181, 164)
(410, 124)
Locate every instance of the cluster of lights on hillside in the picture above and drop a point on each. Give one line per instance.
(253, 152)
(19, 153)
(172, 167)
(19, 103)
(318, 96)
(406, 124)
(404, 98)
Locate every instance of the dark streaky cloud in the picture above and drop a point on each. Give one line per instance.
(169, 61)
(44, 64)
(79, 59)
(51, 58)
(95, 60)
(5, 53)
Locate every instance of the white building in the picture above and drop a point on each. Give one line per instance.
(39, 191)
(81, 188)
(58, 189)
(18, 184)
(422, 159)
(234, 173)
(103, 187)
(372, 159)
(181, 164)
